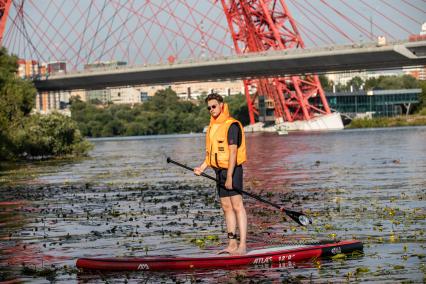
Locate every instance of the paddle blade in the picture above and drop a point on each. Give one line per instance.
(299, 218)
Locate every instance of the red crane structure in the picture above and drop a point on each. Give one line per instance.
(261, 25)
(4, 12)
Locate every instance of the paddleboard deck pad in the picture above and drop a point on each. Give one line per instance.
(278, 254)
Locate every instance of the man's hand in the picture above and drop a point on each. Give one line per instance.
(198, 171)
(228, 183)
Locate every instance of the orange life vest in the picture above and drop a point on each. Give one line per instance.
(217, 148)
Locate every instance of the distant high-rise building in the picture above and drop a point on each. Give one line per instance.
(28, 69)
(418, 72)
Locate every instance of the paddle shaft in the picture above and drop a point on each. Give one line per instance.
(237, 190)
(217, 181)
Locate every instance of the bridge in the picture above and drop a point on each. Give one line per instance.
(248, 66)
(271, 44)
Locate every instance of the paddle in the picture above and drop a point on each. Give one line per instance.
(298, 217)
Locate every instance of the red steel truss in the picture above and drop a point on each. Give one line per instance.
(262, 25)
(4, 12)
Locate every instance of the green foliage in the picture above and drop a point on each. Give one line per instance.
(50, 135)
(238, 108)
(422, 105)
(422, 111)
(391, 82)
(356, 83)
(326, 84)
(16, 101)
(164, 113)
(411, 120)
(22, 135)
(379, 83)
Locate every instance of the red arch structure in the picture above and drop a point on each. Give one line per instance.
(146, 32)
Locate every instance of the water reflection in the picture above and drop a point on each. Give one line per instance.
(126, 200)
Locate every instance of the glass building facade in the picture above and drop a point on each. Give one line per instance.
(377, 102)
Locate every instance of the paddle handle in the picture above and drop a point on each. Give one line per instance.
(189, 168)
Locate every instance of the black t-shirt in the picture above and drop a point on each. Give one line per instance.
(234, 135)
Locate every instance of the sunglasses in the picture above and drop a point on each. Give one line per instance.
(211, 107)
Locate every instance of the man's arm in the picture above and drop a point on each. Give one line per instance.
(231, 165)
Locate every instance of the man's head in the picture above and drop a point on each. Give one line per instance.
(214, 104)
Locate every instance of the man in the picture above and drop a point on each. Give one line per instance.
(225, 153)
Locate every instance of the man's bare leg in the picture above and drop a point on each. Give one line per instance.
(241, 216)
(231, 223)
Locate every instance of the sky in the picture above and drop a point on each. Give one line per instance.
(147, 32)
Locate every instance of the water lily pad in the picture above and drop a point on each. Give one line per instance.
(339, 256)
(362, 270)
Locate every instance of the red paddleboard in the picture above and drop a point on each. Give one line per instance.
(280, 254)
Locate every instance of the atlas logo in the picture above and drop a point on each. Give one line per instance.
(336, 250)
(262, 260)
(143, 266)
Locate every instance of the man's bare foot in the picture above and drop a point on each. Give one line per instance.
(230, 249)
(241, 250)
(227, 251)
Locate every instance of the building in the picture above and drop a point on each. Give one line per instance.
(102, 96)
(375, 102)
(79, 93)
(196, 89)
(343, 78)
(149, 91)
(56, 67)
(418, 72)
(127, 95)
(28, 69)
(46, 102)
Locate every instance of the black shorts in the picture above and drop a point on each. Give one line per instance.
(237, 181)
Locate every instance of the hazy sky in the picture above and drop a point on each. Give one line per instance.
(81, 31)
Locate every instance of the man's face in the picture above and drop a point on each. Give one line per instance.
(214, 107)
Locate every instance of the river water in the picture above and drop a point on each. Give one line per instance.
(125, 200)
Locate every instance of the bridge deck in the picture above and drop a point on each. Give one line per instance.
(256, 65)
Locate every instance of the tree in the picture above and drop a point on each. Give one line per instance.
(391, 82)
(326, 84)
(17, 98)
(50, 135)
(238, 108)
(422, 85)
(356, 83)
(31, 136)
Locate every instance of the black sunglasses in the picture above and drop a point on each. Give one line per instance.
(211, 107)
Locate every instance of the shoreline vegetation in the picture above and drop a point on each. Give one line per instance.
(164, 113)
(396, 121)
(28, 136)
